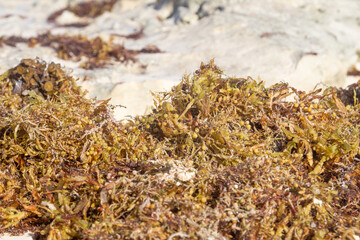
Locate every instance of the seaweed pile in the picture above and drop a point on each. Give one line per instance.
(89, 9)
(218, 158)
(98, 52)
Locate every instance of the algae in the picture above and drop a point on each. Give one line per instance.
(89, 9)
(218, 158)
(98, 53)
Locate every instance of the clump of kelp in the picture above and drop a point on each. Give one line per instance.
(218, 158)
(98, 53)
(89, 9)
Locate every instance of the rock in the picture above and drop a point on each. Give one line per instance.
(189, 11)
(185, 15)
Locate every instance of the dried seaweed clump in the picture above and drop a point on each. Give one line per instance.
(35, 77)
(51, 136)
(97, 52)
(349, 95)
(219, 158)
(89, 9)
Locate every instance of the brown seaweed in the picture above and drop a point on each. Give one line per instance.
(219, 157)
(89, 9)
(98, 52)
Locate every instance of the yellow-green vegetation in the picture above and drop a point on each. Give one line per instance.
(218, 158)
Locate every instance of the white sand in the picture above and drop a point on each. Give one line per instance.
(303, 42)
(26, 236)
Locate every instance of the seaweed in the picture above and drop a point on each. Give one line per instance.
(98, 52)
(136, 35)
(350, 95)
(218, 158)
(353, 71)
(89, 9)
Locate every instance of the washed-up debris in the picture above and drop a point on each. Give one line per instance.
(353, 71)
(98, 52)
(350, 95)
(218, 158)
(12, 40)
(136, 35)
(88, 9)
